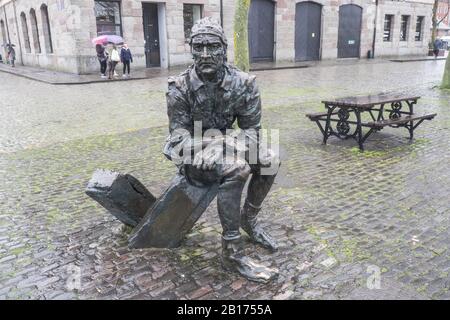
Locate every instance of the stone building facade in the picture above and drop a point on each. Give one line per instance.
(73, 23)
(443, 18)
(56, 34)
(409, 28)
(332, 27)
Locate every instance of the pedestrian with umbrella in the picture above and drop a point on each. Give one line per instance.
(11, 55)
(102, 58)
(113, 57)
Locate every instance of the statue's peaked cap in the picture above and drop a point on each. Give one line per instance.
(208, 25)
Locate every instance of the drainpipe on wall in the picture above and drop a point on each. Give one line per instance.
(375, 30)
(221, 13)
(18, 33)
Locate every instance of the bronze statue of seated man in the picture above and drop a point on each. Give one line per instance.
(203, 105)
(214, 95)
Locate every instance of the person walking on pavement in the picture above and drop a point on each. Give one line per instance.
(113, 59)
(437, 45)
(102, 58)
(11, 55)
(126, 57)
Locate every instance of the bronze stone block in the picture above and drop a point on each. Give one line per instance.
(173, 215)
(121, 194)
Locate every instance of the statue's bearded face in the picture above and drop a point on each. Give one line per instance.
(209, 54)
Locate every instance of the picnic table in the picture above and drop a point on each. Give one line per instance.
(394, 110)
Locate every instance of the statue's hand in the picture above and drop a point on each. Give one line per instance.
(268, 158)
(209, 157)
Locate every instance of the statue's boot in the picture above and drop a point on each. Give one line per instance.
(250, 224)
(234, 259)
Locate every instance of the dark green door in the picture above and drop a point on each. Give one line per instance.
(350, 16)
(151, 34)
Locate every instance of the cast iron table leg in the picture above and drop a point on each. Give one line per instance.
(359, 130)
(328, 123)
(411, 123)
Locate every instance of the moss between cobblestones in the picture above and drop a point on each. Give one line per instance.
(368, 153)
(22, 263)
(407, 149)
(422, 289)
(407, 211)
(126, 229)
(291, 92)
(349, 247)
(193, 255)
(19, 251)
(54, 215)
(151, 95)
(342, 249)
(6, 275)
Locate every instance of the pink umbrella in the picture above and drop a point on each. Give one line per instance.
(99, 40)
(107, 38)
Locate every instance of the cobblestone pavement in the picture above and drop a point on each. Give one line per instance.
(340, 215)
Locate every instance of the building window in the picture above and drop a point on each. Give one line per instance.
(3, 30)
(108, 16)
(46, 29)
(419, 28)
(191, 13)
(26, 36)
(404, 28)
(35, 31)
(387, 35)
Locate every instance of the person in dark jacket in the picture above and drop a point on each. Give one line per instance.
(11, 55)
(102, 58)
(126, 57)
(437, 46)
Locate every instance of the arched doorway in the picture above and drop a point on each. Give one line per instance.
(46, 29)
(308, 23)
(35, 32)
(26, 37)
(349, 38)
(261, 30)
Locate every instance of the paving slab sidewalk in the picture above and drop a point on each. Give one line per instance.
(64, 78)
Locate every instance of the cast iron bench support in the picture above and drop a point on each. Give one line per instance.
(404, 121)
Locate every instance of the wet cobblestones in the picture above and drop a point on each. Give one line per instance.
(335, 211)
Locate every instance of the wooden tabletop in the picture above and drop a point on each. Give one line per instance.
(371, 100)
